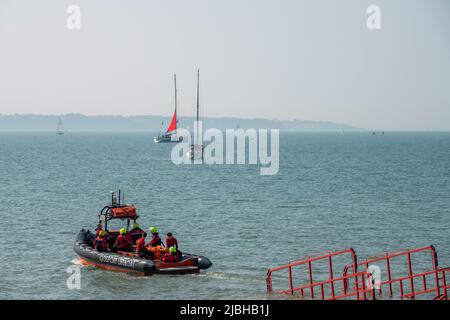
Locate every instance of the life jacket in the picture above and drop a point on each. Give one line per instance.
(156, 241)
(129, 239)
(140, 244)
(171, 242)
(122, 242)
(100, 244)
(136, 233)
(172, 258)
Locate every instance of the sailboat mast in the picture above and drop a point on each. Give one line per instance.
(175, 82)
(60, 130)
(196, 142)
(198, 93)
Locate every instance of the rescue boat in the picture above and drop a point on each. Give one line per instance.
(129, 261)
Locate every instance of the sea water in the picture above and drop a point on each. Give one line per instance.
(333, 191)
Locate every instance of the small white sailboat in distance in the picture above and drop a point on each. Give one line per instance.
(60, 129)
(171, 133)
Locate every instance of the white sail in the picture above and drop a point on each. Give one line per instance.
(60, 129)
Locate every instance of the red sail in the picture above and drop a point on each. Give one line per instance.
(173, 124)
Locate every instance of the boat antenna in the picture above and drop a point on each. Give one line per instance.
(119, 197)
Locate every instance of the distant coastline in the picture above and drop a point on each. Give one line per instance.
(150, 123)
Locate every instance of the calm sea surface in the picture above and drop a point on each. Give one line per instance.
(333, 191)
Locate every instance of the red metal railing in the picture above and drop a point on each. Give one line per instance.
(387, 259)
(440, 289)
(363, 287)
(443, 294)
(312, 285)
(360, 285)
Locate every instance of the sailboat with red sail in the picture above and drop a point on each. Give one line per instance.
(171, 133)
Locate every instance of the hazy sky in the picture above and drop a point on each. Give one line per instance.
(284, 59)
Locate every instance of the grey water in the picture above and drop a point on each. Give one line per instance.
(373, 193)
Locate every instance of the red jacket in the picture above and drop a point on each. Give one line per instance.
(156, 241)
(100, 241)
(173, 257)
(123, 241)
(140, 244)
(171, 242)
(129, 239)
(136, 233)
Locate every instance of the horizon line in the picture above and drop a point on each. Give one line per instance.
(179, 116)
(356, 128)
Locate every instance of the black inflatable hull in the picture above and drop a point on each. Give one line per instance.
(119, 262)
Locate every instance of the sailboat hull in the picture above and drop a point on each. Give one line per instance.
(196, 152)
(167, 139)
(60, 130)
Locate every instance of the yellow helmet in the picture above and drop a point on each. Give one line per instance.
(153, 230)
(172, 250)
(123, 231)
(102, 233)
(136, 225)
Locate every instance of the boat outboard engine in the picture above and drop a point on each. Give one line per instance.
(204, 262)
(86, 237)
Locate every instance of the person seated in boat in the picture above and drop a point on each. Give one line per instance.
(140, 245)
(123, 241)
(129, 239)
(172, 257)
(141, 249)
(98, 229)
(156, 240)
(100, 243)
(136, 232)
(171, 241)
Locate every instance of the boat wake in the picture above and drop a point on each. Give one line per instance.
(77, 262)
(228, 277)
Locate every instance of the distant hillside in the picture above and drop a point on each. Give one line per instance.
(78, 122)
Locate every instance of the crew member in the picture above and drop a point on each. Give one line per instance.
(172, 256)
(98, 229)
(100, 242)
(156, 240)
(129, 239)
(171, 241)
(136, 232)
(141, 249)
(123, 241)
